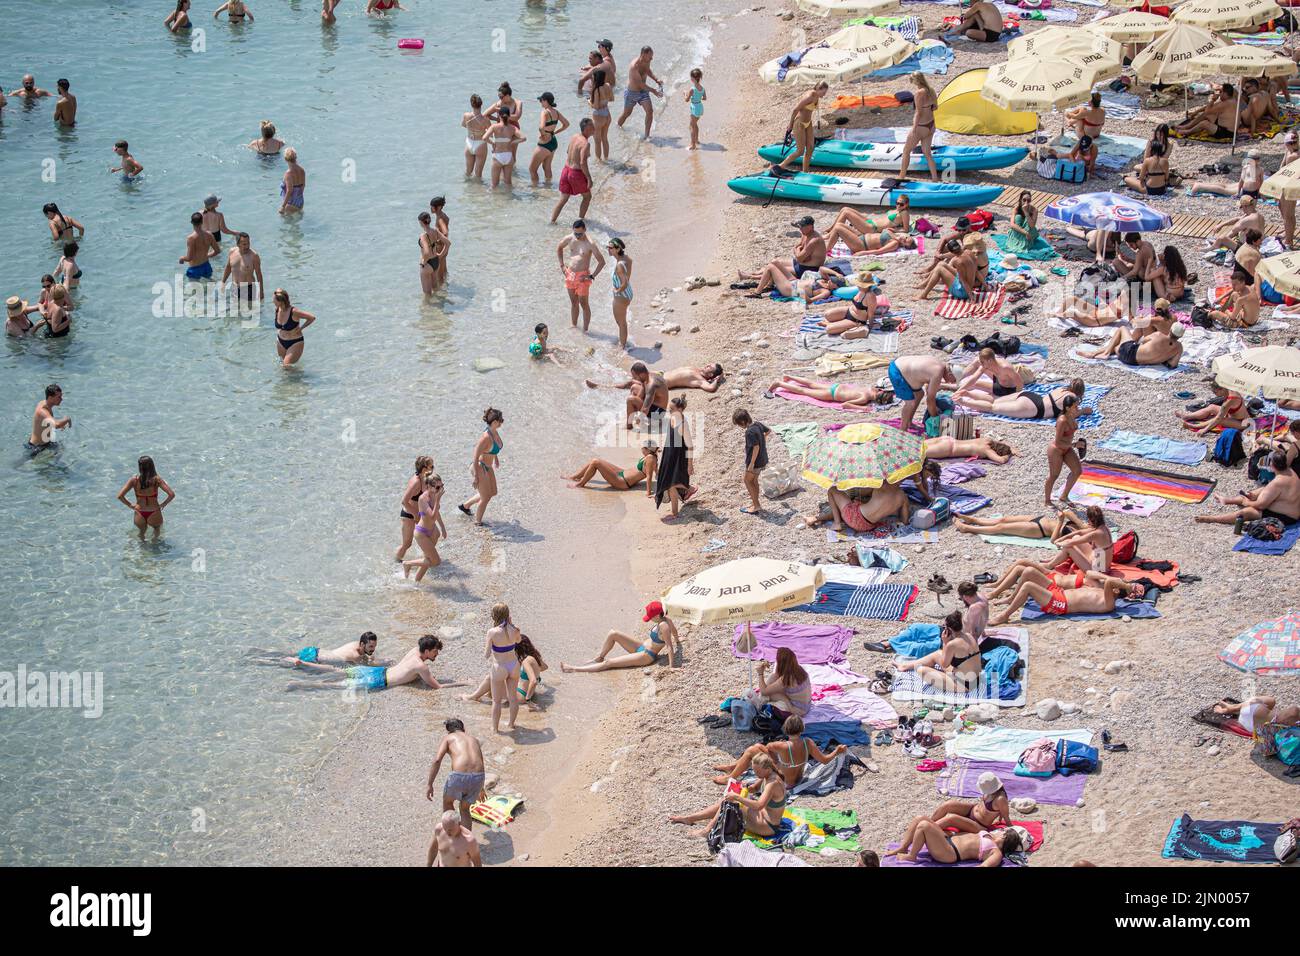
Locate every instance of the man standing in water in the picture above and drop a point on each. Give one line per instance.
(575, 179)
(45, 422)
(575, 252)
(452, 844)
(244, 266)
(638, 92)
(464, 785)
(65, 110)
(199, 248)
(29, 90)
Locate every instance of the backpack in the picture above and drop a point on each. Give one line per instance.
(1254, 466)
(1228, 450)
(1038, 759)
(1287, 741)
(1074, 757)
(1265, 529)
(979, 220)
(728, 827)
(1125, 548)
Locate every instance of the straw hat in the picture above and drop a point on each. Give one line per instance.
(1010, 261)
(972, 241)
(13, 303)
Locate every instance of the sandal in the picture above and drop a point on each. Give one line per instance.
(747, 284)
(876, 646)
(1113, 748)
(938, 584)
(984, 578)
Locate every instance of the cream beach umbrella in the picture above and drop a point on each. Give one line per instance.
(1283, 184)
(1272, 371)
(1035, 84)
(1131, 27)
(1282, 272)
(846, 55)
(1241, 60)
(1167, 58)
(1226, 14)
(744, 588)
(848, 8)
(1097, 54)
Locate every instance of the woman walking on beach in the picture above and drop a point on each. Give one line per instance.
(147, 510)
(1063, 450)
(428, 527)
(500, 652)
(621, 277)
(476, 147)
(290, 321)
(293, 184)
(550, 124)
(663, 639)
(676, 465)
(410, 504)
(602, 94)
(484, 468)
(922, 131)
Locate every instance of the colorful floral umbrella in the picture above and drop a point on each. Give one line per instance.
(863, 456)
(1107, 211)
(1272, 647)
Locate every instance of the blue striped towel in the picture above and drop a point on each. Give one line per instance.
(877, 602)
(1092, 396)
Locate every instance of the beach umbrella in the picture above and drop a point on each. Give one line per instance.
(1131, 27)
(1166, 59)
(1107, 211)
(846, 55)
(741, 589)
(1271, 371)
(1272, 647)
(1240, 60)
(865, 455)
(1282, 272)
(1035, 84)
(1098, 54)
(1283, 184)
(848, 8)
(1226, 14)
(1144, 5)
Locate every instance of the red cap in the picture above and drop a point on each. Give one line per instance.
(653, 609)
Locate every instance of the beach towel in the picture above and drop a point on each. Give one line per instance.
(1187, 489)
(1006, 743)
(932, 59)
(856, 260)
(909, 27)
(980, 305)
(1221, 841)
(796, 436)
(1281, 546)
(887, 558)
(1265, 132)
(960, 779)
(1092, 396)
(1019, 542)
(1120, 106)
(747, 854)
(1207, 716)
(1040, 251)
(811, 643)
(1162, 580)
(833, 674)
(855, 576)
(848, 102)
(1123, 502)
(1156, 447)
(884, 134)
(836, 829)
(878, 602)
(836, 364)
(1138, 610)
(1272, 647)
(993, 688)
(855, 704)
(1156, 373)
(961, 471)
(894, 533)
(961, 501)
(810, 344)
(1050, 15)
(1035, 828)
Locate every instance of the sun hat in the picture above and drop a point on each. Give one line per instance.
(653, 609)
(962, 223)
(971, 241)
(989, 783)
(13, 303)
(1010, 261)
(1177, 330)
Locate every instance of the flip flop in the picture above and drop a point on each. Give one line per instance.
(1106, 744)
(984, 578)
(930, 765)
(877, 646)
(465, 511)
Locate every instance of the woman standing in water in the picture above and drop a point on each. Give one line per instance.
(500, 652)
(602, 94)
(293, 184)
(289, 324)
(61, 227)
(504, 137)
(267, 144)
(531, 666)
(433, 246)
(179, 19)
(442, 223)
(484, 468)
(476, 147)
(550, 124)
(147, 509)
(429, 527)
(410, 503)
(621, 277)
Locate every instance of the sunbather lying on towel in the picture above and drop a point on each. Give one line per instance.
(987, 847)
(974, 816)
(820, 286)
(1228, 410)
(1029, 404)
(897, 221)
(1279, 499)
(1255, 712)
(762, 812)
(986, 447)
(1097, 596)
(990, 375)
(956, 665)
(858, 396)
(887, 501)
(790, 756)
(1021, 526)
(1087, 312)
(1147, 346)
(886, 240)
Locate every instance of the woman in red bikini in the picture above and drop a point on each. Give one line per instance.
(382, 6)
(1063, 451)
(148, 511)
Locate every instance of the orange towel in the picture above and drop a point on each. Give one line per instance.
(846, 102)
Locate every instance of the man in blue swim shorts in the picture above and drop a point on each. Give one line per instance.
(200, 246)
(360, 651)
(414, 666)
(638, 93)
(915, 377)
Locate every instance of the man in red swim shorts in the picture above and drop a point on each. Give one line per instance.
(1097, 595)
(575, 179)
(576, 252)
(887, 501)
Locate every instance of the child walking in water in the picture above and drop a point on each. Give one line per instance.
(696, 97)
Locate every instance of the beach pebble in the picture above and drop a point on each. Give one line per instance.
(762, 344)
(1212, 752)
(599, 785)
(1121, 701)
(488, 364)
(670, 328)
(981, 713)
(490, 781)
(1048, 709)
(736, 393)
(659, 343)
(1024, 804)
(1115, 667)
(694, 328)
(523, 858)
(449, 633)
(1127, 619)
(1069, 708)
(1079, 802)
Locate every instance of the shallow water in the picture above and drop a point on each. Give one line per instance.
(288, 482)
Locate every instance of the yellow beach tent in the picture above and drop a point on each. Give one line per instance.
(961, 109)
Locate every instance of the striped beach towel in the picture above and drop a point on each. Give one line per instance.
(1092, 396)
(1187, 489)
(981, 305)
(876, 602)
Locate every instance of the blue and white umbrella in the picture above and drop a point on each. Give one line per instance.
(1109, 211)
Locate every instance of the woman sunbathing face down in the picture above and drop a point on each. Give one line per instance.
(985, 447)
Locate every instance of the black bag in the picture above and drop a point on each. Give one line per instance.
(728, 827)
(1265, 529)
(1201, 317)
(1257, 458)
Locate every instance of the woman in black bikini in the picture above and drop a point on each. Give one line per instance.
(956, 665)
(1152, 177)
(1090, 547)
(922, 131)
(989, 848)
(61, 227)
(620, 479)
(433, 247)
(1020, 526)
(409, 506)
(289, 324)
(550, 125)
(1028, 404)
(1063, 451)
(853, 320)
(147, 511)
(58, 314)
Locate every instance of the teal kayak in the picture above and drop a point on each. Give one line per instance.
(846, 154)
(817, 187)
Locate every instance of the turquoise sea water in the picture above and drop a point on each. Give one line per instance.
(288, 482)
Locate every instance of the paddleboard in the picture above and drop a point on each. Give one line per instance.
(846, 154)
(817, 187)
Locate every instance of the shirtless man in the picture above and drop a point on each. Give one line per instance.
(1279, 499)
(982, 22)
(1135, 257)
(200, 246)
(413, 666)
(452, 844)
(464, 785)
(707, 378)
(989, 373)
(1259, 108)
(575, 252)
(29, 90)
(1233, 232)
(637, 92)
(360, 651)
(65, 110)
(1215, 117)
(45, 422)
(575, 178)
(214, 222)
(129, 168)
(601, 58)
(1148, 346)
(887, 501)
(244, 267)
(1239, 309)
(1097, 596)
(918, 378)
(986, 447)
(809, 256)
(647, 395)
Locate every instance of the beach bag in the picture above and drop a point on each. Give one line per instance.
(775, 482)
(923, 519)
(1287, 742)
(924, 227)
(1038, 759)
(1074, 757)
(1047, 167)
(1228, 450)
(1265, 529)
(1201, 317)
(941, 508)
(1286, 848)
(1254, 469)
(728, 827)
(1125, 548)
(1070, 171)
(959, 426)
(742, 714)
(979, 220)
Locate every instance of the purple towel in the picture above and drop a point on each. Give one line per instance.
(811, 643)
(959, 779)
(960, 471)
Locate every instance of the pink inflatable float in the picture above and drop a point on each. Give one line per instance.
(410, 44)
